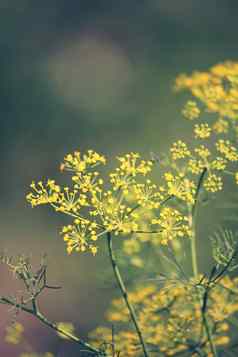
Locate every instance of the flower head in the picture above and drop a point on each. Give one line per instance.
(202, 131)
(191, 110)
(179, 150)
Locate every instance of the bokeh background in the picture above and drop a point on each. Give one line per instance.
(88, 74)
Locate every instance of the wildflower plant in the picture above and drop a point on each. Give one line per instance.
(182, 312)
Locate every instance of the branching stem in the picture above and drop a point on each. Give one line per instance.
(35, 312)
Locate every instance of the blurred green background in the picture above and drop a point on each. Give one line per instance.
(89, 74)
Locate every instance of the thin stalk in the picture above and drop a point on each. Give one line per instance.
(205, 322)
(124, 293)
(192, 221)
(209, 336)
(35, 312)
(193, 245)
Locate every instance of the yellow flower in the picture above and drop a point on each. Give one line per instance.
(169, 316)
(180, 187)
(195, 166)
(131, 165)
(202, 131)
(213, 183)
(80, 236)
(43, 194)
(147, 194)
(227, 149)
(221, 126)
(191, 110)
(203, 152)
(79, 163)
(219, 164)
(217, 88)
(172, 224)
(179, 150)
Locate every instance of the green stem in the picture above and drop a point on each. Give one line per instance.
(193, 245)
(205, 322)
(209, 336)
(125, 294)
(192, 220)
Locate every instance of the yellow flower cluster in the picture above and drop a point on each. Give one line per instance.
(43, 194)
(130, 166)
(82, 233)
(187, 164)
(172, 225)
(80, 236)
(171, 318)
(191, 110)
(227, 149)
(217, 89)
(202, 131)
(179, 150)
(79, 164)
(147, 194)
(182, 183)
(118, 208)
(179, 186)
(221, 126)
(115, 213)
(213, 183)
